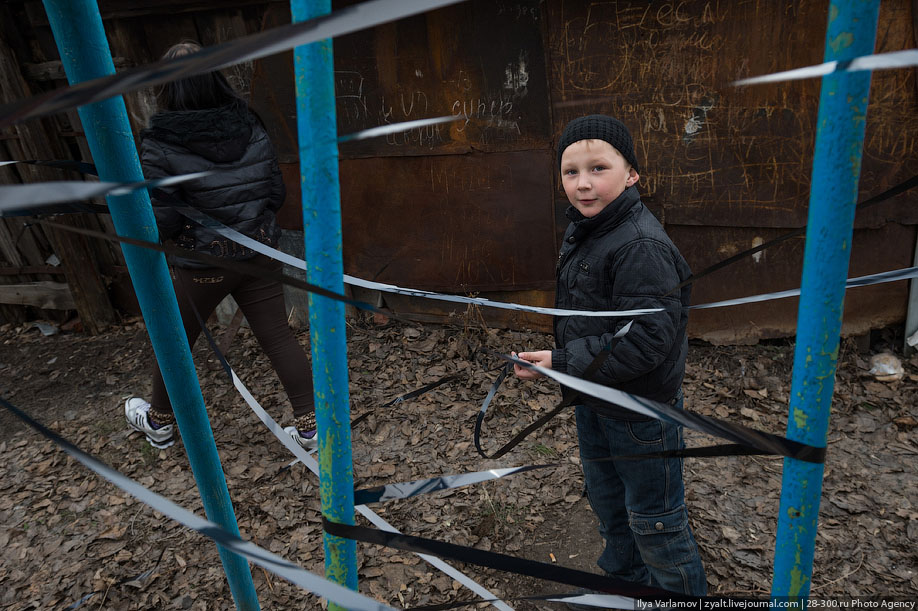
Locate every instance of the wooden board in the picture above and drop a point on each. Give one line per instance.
(47, 295)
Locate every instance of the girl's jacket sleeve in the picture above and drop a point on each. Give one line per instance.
(278, 188)
(155, 163)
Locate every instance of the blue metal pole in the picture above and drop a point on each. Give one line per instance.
(315, 102)
(842, 116)
(81, 41)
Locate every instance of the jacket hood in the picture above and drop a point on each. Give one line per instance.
(219, 134)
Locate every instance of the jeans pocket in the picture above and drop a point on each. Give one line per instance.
(658, 523)
(646, 432)
(663, 538)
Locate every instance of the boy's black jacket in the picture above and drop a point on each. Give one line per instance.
(622, 259)
(244, 194)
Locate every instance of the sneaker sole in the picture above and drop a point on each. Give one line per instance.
(162, 445)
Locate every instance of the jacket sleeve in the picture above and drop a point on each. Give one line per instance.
(278, 188)
(642, 273)
(155, 165)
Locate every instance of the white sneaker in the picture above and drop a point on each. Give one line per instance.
(309, 441)
(136, 412)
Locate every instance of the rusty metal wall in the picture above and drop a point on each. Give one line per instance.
(712, 154)
(475, 205)
(724, 167)
(482, 62)
(436, 208)
(778, 268)
(444, 223)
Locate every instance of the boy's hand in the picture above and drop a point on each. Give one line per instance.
(542, 358)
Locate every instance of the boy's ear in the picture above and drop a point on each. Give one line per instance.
(633, 177)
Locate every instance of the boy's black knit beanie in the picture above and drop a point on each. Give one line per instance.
(599, 127)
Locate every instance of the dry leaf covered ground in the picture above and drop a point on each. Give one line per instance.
(65, 533)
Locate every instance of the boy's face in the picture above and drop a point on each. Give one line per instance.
(593, 174)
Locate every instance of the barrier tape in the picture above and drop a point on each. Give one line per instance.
(404, 490)
(571, 397)
(306, 458)
(40, 194)
(210, 223)
(51, 209)
(379, 493)
(869, 280)
(244, 240)
(248, 48)
(9, 207)
(406, 397)
(389, 491)
(395, 128)
(213, 224)
(9, 193)
(424, 486)
(407, 490)
(766, 442)
(878, 61)
(503, 562)
(137, 578)
(603, 601)
(10, 203)
(80, 167)
(902, 187)
(566, 400)
(214, 261)
(260, 556)
(311, 463)
(61, 191)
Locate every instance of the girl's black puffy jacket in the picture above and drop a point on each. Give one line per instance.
(622, 259)
(244, 193)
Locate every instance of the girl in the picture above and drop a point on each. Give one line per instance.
(203, 124)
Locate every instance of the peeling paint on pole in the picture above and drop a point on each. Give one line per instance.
(833, 195)
(318, 153)
(80, 37)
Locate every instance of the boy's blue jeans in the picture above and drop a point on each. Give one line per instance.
(640, 503)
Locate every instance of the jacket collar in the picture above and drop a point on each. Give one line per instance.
(609, 217)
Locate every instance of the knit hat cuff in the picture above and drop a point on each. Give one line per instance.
(599, 127)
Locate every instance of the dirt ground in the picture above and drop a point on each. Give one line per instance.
(65, 533)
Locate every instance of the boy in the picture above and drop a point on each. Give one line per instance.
(616, 256)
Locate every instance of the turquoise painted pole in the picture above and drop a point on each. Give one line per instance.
(315, 104)
(80, 38)
(833, 195)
